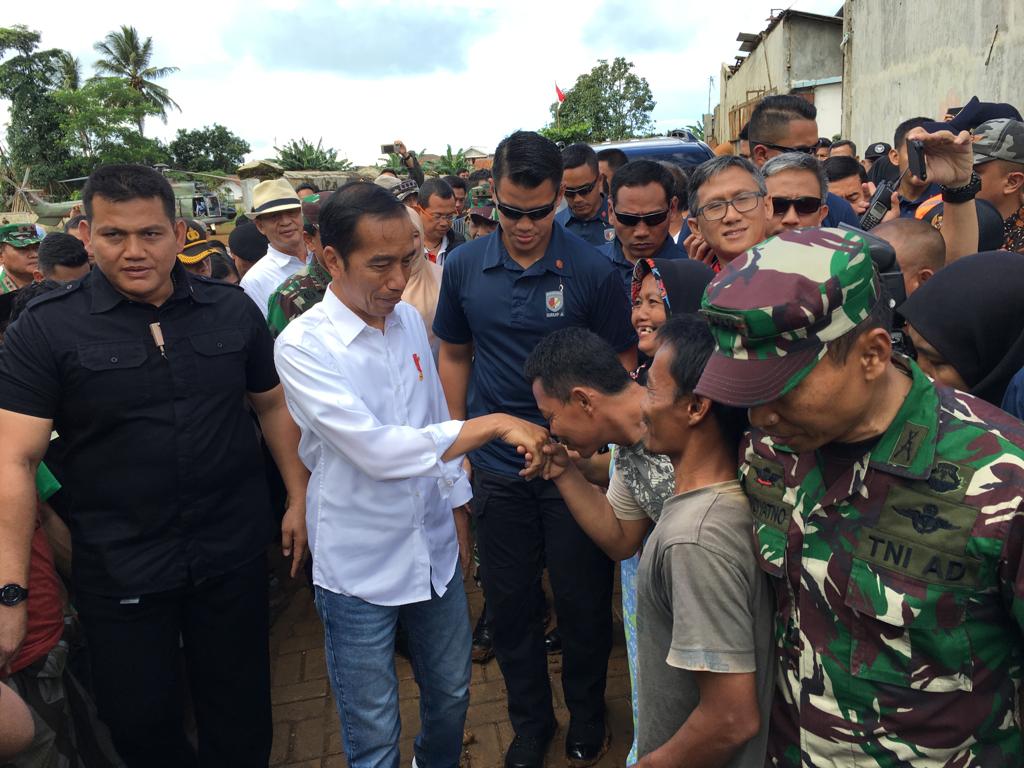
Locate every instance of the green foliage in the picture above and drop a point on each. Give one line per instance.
(567, 134)
(449, 164)
(29, 79)
(207, 149)
(697, 129)
(124, 55)
(99, 122)
(611, 99)
(303, 155)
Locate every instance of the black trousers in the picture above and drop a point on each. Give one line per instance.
(135, 648)
(521, 526)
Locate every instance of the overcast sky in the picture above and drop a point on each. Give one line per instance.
(360, 74)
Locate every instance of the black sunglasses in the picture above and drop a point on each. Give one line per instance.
(534, 214)
(803, 205)
(583, 191)
(650, 219)
(802, 150)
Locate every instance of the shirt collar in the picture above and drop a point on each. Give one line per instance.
(282, 258)
(346, 322)
(908, 446)
(105, 296)
(601, 214)
(667, 251)
(555, 259)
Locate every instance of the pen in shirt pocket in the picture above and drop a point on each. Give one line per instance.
(416, 362)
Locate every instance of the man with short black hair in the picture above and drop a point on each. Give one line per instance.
(307, 188)
(609, 161)
(843, 148)
(277, 214)
(62, 258)
(822, 147)
(437, 211)
(788, 123)
(677, 219)
(586, 210)
(461, 191)
(848, 179)
(500, 295)
(798, 189)
(387, 474)
(71, 225)
(148, 374)
(729, 210)
(912, 191)
(641, 202)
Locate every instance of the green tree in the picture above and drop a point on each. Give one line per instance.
(99, 122)
(213, 148)
(70, 71)
(28, 79)
(612, 99)
(697, 129)
(449, 164)
(126, 56)
(568, 134)
(303, 155)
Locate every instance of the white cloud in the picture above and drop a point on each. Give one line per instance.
(503, 80)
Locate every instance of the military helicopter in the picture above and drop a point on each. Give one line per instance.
(193, 200)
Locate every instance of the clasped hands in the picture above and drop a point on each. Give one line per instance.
(543, 456)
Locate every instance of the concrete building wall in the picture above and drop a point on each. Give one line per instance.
(829, 101)
(798, 49)
(905, 58)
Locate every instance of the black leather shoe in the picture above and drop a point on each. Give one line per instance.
(553, 642)
(483, 640)
(526, 752)
(586, 745)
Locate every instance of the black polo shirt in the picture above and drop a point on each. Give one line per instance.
(164, 468)
(505, 310)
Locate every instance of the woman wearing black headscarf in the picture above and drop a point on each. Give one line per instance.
(967, 323)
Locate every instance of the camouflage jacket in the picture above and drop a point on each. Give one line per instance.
(295, 295)
(899, 588)
(1013, 232)
(7, 284)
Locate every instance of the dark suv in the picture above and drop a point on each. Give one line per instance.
(683, 152)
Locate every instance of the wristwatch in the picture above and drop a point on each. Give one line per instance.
(12, 594)
(963, 194)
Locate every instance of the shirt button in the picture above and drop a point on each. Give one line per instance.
(220, 345)
(113, 359)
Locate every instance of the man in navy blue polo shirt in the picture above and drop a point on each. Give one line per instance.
(642, 201)
(500, 295)
(586, 210)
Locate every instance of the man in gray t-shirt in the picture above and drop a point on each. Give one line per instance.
(703, 605)
(704, 609)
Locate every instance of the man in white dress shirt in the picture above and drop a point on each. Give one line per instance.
(277, 214)
(386, 464)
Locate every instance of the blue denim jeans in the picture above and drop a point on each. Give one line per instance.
(360, 644)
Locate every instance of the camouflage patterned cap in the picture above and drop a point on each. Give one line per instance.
(481, 203)
(774, 310)
(1001, 139)
(19, 235)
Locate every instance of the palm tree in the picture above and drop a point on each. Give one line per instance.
(69, 70)
(124, 54)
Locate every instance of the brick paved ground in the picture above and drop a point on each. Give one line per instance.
(306, 731)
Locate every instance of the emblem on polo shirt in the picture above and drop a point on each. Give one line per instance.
(555, 303)
(609, 234)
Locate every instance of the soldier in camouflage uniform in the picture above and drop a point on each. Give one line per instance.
(307, 286)
(19, 253)
(887, 512)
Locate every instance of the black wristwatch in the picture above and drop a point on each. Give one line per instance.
(963, 194)
(12, 594)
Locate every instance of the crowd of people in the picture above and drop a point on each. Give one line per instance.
(780, 390)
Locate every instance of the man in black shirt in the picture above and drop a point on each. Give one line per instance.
(144, 370)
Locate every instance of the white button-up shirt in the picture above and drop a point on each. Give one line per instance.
(267, 274)
(374, 426)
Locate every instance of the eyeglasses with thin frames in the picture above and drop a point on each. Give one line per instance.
(744, 202)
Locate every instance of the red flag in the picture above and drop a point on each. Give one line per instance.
(558, 92)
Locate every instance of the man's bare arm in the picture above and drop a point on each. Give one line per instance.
(25, 440)
(726, 718)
